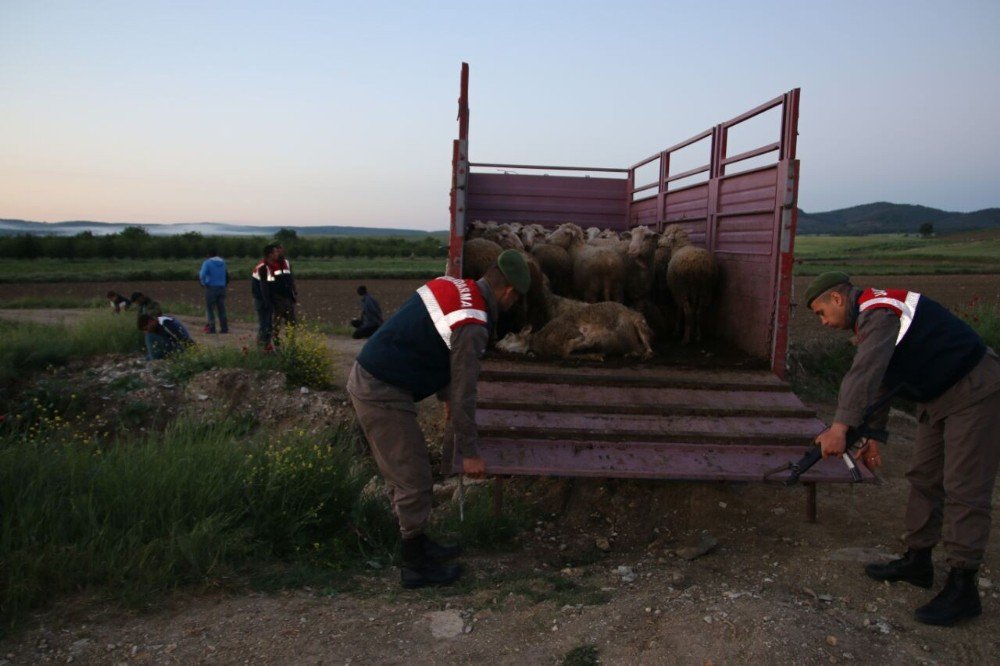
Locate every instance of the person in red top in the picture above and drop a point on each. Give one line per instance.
(912, 345)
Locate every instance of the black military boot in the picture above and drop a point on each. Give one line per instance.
(915, 567)
(419, 570)
(439, 552)
(959, 599)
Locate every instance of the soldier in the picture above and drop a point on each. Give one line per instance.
(908, 342)
(432, 345)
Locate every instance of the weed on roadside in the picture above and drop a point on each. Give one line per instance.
(302, 356)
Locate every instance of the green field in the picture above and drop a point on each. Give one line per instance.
(973, 253)
(899, 255)
(125, 270)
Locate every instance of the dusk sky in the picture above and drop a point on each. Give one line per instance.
(308, 113)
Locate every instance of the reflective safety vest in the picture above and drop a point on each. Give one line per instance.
(276, 275)
(412, 349)
(934, 348)
(451, 303)
(903, 303)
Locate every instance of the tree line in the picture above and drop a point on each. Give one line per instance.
(137, 243)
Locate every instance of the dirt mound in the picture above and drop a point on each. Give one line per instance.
(265, 397)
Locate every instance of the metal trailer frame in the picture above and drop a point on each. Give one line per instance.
(643, 422)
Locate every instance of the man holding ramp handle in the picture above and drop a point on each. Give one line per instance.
(907, 340)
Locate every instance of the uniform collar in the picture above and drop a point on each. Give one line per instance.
(491, 298)
(855, 306)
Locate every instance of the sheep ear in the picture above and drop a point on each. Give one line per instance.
(526, 330)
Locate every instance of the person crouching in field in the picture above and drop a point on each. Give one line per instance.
(371, 315)
(164, 336)
(908, 343)
(432, 345)
(118, 302)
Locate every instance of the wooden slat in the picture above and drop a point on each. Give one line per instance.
(650, 460)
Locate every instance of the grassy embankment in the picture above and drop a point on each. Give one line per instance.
(130, 514)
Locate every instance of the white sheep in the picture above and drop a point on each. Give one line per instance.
(692, 273)
(596, 328)
(598, 272)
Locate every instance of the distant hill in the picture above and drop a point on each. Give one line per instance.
(890, 218)
(13, 227)
(873, 218)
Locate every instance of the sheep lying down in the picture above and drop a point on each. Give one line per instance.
(599, 329)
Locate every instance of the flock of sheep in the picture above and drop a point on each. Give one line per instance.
(598, 292)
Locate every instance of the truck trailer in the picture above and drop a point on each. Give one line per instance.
(703, 417)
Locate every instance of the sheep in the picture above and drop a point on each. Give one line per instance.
(598, 328)
(639, 256)
(531, 234)
(477, 256)
(692, 273)
(598, 272)
(501, 234)
(557, 266)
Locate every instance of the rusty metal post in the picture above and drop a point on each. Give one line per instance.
(497, 496)
(810, 502)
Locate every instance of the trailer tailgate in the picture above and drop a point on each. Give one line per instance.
(657, 422)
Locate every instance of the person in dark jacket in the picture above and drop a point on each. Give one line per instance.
(911, 344)
(118, 302)
(431, 345)
(164, 336)
(371, 315)
(262, 280)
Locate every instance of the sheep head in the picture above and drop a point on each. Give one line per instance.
(566, 235)
(675, 237)
(642, 245)
(516, 343)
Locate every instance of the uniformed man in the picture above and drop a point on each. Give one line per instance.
(432, 345)
(908, 342)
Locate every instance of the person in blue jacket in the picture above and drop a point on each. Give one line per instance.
(214, 277)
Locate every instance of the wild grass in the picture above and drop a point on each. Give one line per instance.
(482, 527)
(100, 304)
(194, 505)
(29, 347)
(983, 315)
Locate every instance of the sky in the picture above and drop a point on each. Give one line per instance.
(309, 113)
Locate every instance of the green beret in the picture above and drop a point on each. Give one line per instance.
(515, 269)
(824, 282)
